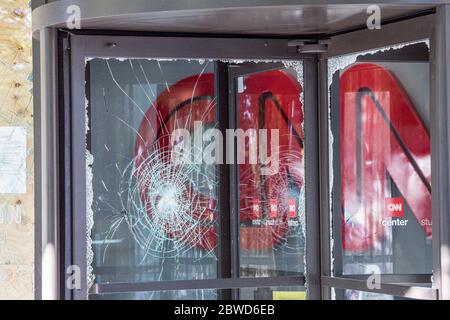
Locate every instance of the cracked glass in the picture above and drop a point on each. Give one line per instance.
(154, 219)
(153, 153)
(271, 206)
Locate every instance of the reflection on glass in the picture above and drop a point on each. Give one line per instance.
(154, 210)
(271, 190)
(382, 140)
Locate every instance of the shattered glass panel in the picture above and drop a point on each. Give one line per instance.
(155, 218)
(271, 191)
(381, 161)
(153, 150)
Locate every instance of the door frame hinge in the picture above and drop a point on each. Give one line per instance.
(310, 45)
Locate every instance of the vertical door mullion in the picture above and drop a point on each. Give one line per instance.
(325, 256)
(223, 192)
(311, 127)
(234, 184)
(440, 142)
(48, 166)
(64, 162)
(78, 140)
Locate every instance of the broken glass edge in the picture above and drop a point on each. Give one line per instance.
(90, 276)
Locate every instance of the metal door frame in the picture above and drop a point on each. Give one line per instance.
(79, 47)
(402, 32)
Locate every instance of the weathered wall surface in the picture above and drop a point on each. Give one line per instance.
(16, 158)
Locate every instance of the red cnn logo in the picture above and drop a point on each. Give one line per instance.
(256, 210)
(273, 208)
(292, 213)
(395, 207)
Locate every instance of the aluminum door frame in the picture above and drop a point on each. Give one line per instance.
(410, 30)
(148, 47)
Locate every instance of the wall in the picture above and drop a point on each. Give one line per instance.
(16, 157)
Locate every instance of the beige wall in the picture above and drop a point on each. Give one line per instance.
(16, 110)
